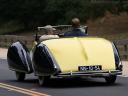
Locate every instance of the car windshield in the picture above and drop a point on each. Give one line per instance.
(60, 29)
(51, 32)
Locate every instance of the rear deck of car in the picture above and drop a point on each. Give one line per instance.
(70, 53)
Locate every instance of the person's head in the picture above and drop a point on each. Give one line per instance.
(75, 22)
(49, 29)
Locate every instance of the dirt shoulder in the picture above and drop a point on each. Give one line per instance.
(3, 53)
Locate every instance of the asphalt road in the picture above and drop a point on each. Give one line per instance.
(59, 87)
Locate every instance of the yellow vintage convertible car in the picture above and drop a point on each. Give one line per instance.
(66, 57)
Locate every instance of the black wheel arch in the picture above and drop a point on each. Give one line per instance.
(18, 58)
(117, 57)
(43, 61)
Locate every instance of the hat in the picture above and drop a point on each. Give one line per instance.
(49, 27)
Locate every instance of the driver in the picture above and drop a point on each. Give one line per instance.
(77, 30)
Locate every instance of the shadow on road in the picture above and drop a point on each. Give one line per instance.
(65, 83)
(77, 82)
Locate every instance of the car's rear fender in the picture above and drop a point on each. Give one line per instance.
(18, 58)
(117, 58)
(43, 61)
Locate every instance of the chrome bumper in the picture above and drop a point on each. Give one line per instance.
(91, 74)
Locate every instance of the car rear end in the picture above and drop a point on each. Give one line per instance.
(93, 57)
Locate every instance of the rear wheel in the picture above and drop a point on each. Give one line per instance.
(111, 79)
(20, 76)
(43, 80)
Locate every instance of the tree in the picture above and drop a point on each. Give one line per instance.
(33, 13)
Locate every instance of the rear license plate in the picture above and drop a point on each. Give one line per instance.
(90, 68)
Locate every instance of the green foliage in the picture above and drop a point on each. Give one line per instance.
(33, 13)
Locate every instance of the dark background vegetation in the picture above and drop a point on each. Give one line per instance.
(22, 15)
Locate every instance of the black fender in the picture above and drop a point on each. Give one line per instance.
(43, 62)
(18, 58)
(117, 57)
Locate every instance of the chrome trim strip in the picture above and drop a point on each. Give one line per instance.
(99, 74)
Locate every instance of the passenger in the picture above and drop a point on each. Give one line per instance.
(77, 30)
(49, 33)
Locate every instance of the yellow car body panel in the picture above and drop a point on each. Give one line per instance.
(70, 53)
